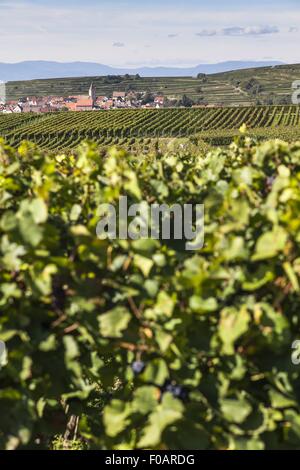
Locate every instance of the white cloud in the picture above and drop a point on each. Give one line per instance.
(239, 31)
(207, 33)
(249, 31)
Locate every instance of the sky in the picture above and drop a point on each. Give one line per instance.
(157, 32)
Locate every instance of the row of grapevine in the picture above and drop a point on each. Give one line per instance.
(64, 130)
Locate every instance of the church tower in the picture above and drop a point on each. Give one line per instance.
(92, 93)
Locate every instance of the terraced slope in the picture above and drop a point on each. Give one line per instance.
(215, 91)
(277, 80)
(226, 89)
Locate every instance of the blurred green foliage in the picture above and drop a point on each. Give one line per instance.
(148, 345)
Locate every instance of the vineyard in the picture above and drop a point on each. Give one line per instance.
(216, 126)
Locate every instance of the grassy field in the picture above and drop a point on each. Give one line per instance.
(216, 126)
(228, 89)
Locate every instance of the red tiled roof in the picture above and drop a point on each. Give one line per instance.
(71, 106)
(84, 102)
(116, 94)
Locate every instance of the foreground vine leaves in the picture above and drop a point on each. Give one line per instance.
(140, 343)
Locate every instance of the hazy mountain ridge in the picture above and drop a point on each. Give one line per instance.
(30, 70)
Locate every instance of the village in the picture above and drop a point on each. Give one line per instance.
(89, 102)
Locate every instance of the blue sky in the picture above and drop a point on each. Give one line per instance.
(160, 32)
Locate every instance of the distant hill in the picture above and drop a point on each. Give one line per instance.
(243, 87)
(31, 70)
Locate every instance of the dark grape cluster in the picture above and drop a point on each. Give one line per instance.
(268, 185)
(178, 391)
(270, 181)
(138, 367)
